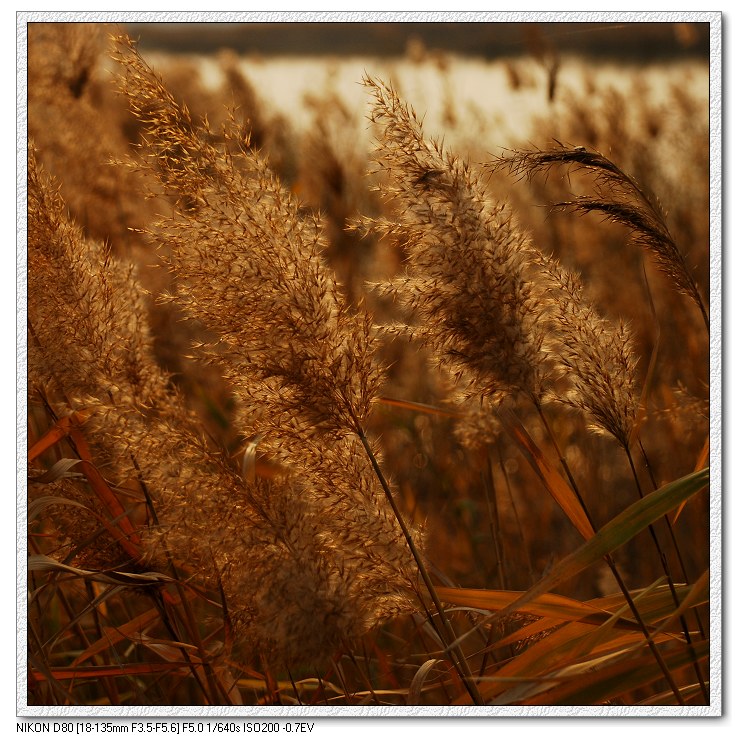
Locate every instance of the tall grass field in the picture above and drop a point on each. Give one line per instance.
(366, 382)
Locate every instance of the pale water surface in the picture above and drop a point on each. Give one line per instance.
(478, 94)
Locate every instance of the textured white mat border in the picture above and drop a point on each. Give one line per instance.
(716, 395)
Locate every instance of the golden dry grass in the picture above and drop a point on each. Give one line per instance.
(312, 424)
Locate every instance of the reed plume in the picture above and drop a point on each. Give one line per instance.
(89, 334)
(506, 318)
(594, 356)
(619, 198)
(467, 283)
(77, 125)
(248, 265)
(295, 584)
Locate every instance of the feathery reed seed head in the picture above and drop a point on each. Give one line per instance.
(506, 318)
(302, 565)
(248, 265)
(595, 356)
(620, 199)
(466, 283)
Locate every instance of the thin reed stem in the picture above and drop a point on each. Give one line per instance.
(667, 571)
(672, 536)
(619, 198)
(559, 454)
(448, 637)
(652, 646)
(610, 561)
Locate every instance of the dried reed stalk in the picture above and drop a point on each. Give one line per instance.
(594, 355)
(507, 319)
(248, 265)
(619, 198)
(467, 282)
(295, 584)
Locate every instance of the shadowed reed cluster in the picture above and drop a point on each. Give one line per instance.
(507, 320)
(312, 557)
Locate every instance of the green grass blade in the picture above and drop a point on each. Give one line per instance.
(617, 532)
